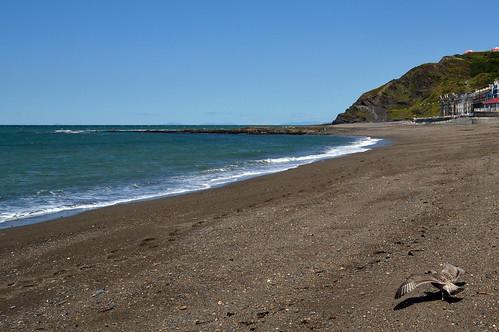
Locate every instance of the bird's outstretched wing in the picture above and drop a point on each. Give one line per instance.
(414, 281)
(452, 271)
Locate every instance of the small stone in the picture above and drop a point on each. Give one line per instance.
(182, 307)
(99, 292)
(108, 308)
(262, 314)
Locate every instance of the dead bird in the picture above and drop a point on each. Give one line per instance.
(445, 281)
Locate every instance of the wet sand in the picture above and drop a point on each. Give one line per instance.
(320, 247)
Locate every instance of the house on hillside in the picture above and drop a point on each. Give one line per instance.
(495, 49)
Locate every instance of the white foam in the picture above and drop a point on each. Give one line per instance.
(69, 131)
(358, 146)
(53, 209)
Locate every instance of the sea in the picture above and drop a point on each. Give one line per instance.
(48, 172)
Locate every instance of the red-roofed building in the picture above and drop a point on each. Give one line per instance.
(495, 49)
(491, 105)
(468, 51)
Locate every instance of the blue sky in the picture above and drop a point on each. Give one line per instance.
(198, 62)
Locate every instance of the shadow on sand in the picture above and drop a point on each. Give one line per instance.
(428, 297)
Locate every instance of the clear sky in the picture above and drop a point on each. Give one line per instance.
(209, 61)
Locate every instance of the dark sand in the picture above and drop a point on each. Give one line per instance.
(321, 247)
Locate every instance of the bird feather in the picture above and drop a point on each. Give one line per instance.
(415, 281)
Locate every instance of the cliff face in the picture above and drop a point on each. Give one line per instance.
(416, 93)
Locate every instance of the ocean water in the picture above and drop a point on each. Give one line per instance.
(49, 171)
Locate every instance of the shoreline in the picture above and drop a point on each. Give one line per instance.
(322, 246)
(308, 130)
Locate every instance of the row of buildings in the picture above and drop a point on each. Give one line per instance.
(481, 102)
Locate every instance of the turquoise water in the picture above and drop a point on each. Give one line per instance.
(49, 170)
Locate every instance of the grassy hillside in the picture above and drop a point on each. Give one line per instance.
(416, 93)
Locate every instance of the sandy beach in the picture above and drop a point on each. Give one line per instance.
(320, 247)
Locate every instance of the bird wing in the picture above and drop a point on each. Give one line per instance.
(452, 271)
(414, 281)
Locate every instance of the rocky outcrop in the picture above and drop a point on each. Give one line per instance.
(257, 130)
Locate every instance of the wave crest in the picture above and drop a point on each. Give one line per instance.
(358, 146)
(69, 131)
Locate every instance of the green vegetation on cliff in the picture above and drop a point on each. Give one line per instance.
(417, 92)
